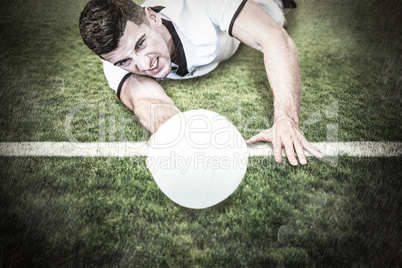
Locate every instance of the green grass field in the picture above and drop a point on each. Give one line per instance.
(108, 212)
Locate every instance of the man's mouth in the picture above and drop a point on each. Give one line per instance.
(154, 65)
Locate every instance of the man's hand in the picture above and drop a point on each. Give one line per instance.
(285, 133)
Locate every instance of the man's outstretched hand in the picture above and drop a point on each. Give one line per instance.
(285, 133)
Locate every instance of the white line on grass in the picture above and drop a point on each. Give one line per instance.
(128, 149)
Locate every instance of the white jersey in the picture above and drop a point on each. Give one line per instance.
(201, 31)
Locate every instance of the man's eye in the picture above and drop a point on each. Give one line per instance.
(125, 62)
(140, 44)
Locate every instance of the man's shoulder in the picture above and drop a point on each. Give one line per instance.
(161, 3)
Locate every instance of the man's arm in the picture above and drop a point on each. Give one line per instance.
(148, 100)
(258, 30)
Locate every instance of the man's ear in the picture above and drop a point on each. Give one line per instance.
(153, 17)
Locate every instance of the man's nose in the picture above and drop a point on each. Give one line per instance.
(142, 62)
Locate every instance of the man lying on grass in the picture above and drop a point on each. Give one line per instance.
(180, 39)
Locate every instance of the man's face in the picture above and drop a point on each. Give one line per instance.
(142, 50)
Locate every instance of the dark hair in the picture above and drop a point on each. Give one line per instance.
(102, 23)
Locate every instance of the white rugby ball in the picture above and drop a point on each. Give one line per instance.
(197, 158)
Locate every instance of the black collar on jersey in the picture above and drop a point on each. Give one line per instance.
(182, 70)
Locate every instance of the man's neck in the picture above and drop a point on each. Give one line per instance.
(174, 55)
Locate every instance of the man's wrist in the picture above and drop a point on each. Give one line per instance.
(279, 116)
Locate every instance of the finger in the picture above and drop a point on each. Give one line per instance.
(277, 152)
(290, 152)
(300, 152)
(277, 146)
(306, 145)
(254, 139)
(262, 136)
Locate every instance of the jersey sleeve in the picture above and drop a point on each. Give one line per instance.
(115, 76)
(224, 13)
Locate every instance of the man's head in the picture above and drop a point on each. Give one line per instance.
(127, 35)
(102, 23)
